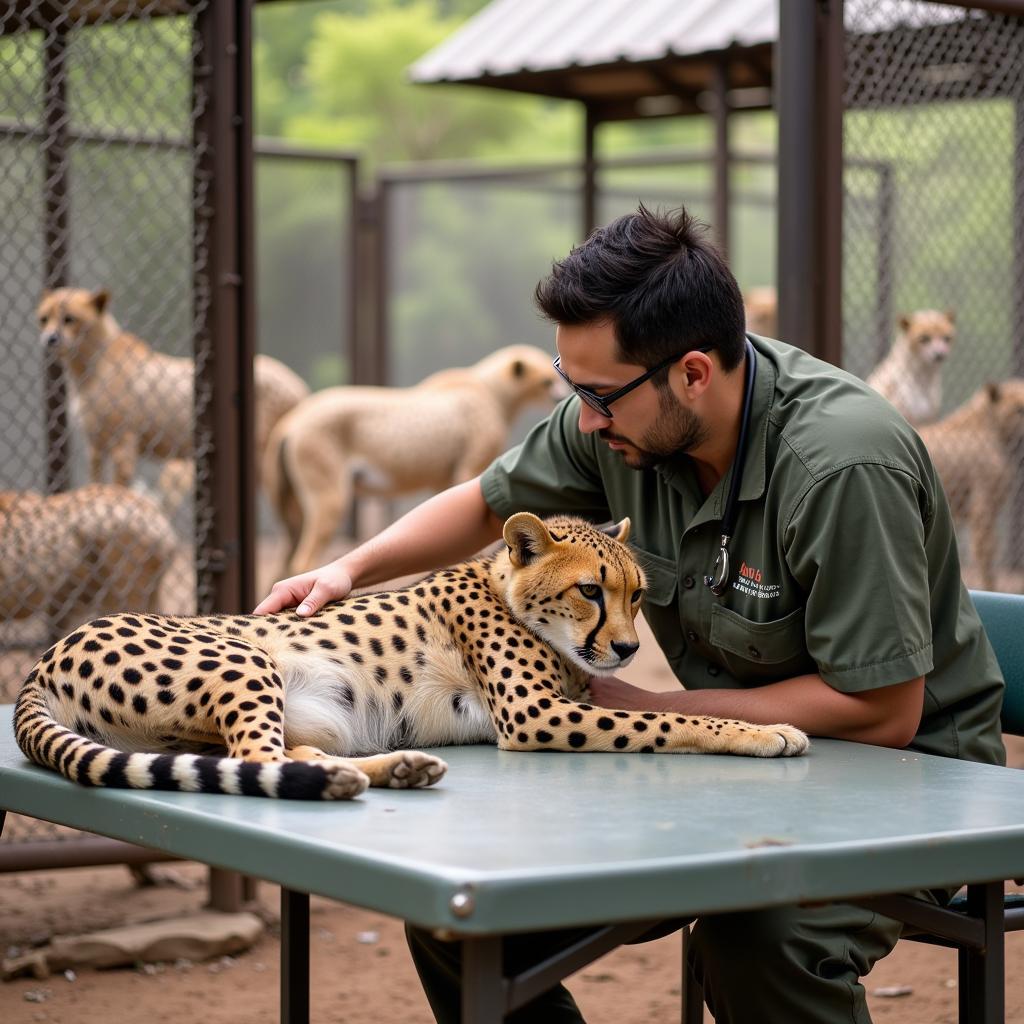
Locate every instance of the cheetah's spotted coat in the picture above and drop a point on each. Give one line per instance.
(499, 648)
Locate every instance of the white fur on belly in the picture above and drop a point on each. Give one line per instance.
(316, 713)
(431, 705)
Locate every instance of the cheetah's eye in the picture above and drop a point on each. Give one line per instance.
(68, 319)
(590, 590)
(637, 594)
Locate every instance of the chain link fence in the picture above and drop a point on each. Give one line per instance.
(460, 271)
(933, 281)
(103, 305)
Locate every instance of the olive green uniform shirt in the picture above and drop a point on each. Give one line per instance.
(844, 559)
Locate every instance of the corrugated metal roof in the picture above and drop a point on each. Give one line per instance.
(511, 36)
(615, 52)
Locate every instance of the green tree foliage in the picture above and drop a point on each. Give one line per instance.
(338, 78)
(333, 75)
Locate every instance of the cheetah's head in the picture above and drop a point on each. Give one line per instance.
(70, 317)
(575, 586)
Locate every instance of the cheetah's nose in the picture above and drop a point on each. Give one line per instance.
(624, 651)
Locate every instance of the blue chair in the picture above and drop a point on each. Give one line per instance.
(1003, 618)
(974, 923)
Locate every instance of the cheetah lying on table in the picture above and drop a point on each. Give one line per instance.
(498, 648)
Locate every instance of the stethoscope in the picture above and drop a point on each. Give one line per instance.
(719, 581)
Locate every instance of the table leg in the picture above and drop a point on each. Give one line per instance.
(483, 991)
(226, 890)
(294, 957)
(692, 1009)
(982, 977)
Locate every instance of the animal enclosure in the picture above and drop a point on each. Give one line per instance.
(933, 219)
(122, 313)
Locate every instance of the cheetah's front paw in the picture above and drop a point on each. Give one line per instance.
(412, 769)
(781, 741)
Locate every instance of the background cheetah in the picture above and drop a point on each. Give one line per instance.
(384, 442)
(498, 648)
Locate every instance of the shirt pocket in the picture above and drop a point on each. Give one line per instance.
(660, 607)
(662, 578)
(761, 651)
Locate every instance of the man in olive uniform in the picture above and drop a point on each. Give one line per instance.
(801, 561)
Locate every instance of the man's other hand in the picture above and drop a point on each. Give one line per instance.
(310, 591)
(612, 692)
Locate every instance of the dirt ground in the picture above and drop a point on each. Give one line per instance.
(361, 970)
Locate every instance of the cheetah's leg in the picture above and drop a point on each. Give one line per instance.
(291, 514)
(249, 713)
(983, 506)
(124, 457)
(546, 721)
(244, 705)
(319, 477)
(400, 769)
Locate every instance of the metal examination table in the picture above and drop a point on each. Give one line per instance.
(511, 842)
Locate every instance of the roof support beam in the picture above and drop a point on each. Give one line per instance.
(720, 86)
(591, 119)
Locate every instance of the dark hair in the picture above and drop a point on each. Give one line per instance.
(658, 281)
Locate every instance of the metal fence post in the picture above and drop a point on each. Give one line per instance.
(809, 89)
(224, 284)
(56, 243)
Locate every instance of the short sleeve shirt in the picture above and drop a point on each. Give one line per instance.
(844, 558)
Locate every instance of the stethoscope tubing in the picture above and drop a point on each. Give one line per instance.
(721, 578)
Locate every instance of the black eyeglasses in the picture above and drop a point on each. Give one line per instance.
(600, 403)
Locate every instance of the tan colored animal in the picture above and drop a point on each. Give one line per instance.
(498, 649)
(135, 401)
(81, 553)
(978, 450)
(762, 309)
(910, 376)
(385, 442)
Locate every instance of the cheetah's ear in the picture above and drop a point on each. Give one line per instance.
(904, 322)
(620, 531)
(951, 315)
(527, 538)
(100, 299)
